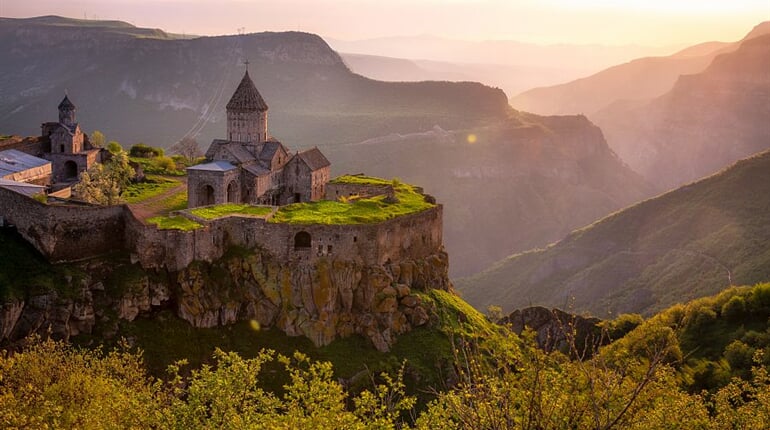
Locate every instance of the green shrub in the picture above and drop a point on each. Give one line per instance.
(739, 356)
(622, 325)
(165, 163)
(114, 147)
(759, 301)
(145, 151)
(734, 309)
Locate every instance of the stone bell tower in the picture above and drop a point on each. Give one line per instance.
(246, 114)
(67, 112)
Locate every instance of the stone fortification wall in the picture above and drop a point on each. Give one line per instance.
(335, 281)
(69, 232)
(64, 232)
(412, 236)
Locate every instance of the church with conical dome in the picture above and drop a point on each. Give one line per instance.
(70, 151)
(250, 166)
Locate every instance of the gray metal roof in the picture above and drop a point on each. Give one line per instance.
(14, 161)
(214, 166)
(21, 187)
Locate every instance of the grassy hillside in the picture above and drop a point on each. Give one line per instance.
(717, 337)
(688, 243)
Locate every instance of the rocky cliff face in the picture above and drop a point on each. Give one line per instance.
(555, 329)
(322, 301)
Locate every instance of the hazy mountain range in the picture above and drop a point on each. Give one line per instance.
(674, 119)
(510, 65)
(526, 181)
(688, 243)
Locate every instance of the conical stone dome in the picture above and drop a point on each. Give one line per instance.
(66, 104)
(246, 97)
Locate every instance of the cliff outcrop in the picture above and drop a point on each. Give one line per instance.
(323, 300)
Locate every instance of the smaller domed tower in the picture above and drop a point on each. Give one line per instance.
(246, 114)
(67, 112)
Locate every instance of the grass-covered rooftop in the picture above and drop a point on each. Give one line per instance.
(174, 223)
(218, 211)
(363, 180)
(356, 211)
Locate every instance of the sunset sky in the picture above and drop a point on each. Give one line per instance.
(619, 22)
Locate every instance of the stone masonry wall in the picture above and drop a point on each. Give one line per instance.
(69, 232)
(411, 236)
(65, 232)
(336, 190)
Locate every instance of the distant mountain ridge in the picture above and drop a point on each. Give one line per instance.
(688, 243)
(120, 76)
(157, 89)
(705, 122)
(639, 79)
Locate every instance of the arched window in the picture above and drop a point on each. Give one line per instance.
(232, 192)
(302, 240)
(207, 195)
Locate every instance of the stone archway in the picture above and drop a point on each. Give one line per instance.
(207, 195)
(302, 240)
(232, 192)
(70, 169)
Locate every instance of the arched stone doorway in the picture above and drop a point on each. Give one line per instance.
(302, 240)
(232, 192)
(70, 170)
(207, 195)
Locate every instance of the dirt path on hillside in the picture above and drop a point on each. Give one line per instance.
(149, 208)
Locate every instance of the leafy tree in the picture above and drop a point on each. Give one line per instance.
(114, 147)
(97, 139)
(188, 148)
(50, 385)
(104, 183)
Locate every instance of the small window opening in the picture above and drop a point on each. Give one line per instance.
(302, 240)
(329, 249)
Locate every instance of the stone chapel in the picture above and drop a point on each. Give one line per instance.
(70, 151)
(250, 166)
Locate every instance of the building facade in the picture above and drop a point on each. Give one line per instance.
(252, 167)
(70, 152)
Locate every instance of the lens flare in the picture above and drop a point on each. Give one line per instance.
(472, 138)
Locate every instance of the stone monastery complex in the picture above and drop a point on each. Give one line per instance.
(252, 167)
(307, 275)
(249, 167)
